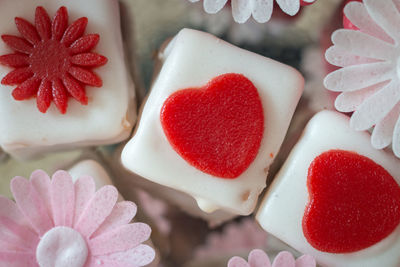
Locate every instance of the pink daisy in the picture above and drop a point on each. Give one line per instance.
(258, 258)
(57, 223)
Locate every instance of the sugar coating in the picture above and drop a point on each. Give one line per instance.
(25, 131)
(191, 60)
(281, 211)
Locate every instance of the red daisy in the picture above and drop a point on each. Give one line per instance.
(52, 60)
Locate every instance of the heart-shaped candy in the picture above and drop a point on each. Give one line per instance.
(354, 202)
(216, 128)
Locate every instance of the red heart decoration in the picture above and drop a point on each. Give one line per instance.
(216, 128)
(354, 203)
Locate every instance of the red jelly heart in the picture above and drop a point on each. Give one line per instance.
(354, 203)
(216, 128)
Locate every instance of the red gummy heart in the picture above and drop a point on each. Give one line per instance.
(216, 128)
(354, 203)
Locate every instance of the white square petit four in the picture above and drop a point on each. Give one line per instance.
(213, 122)
(62, 56)
(336, 198)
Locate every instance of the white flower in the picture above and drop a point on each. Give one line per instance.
(260, 9)
(370, 75)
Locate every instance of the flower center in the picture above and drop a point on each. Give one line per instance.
(50, 59)
(62, 247)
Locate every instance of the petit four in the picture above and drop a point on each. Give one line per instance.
(62, 71)
(213, 122)
(336, 197)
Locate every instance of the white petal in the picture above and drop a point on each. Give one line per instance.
(362, 44)
(213, 6)
(359, 16)
(308, 1)
(194, 1)
(356, 77)
(396, 138)
(290, 7)
(339, 56)
(241, 10)
(350, 101)
(262, 10)
(376, 107)
(383, 132)
(386, 15)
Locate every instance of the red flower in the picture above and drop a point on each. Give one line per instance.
(52, 60)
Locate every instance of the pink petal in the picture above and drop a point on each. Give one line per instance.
(284, 259)
(12, 218)
(75, 89)
(138, 256)
(357, 77)
(17, 76)
(60, 96)
(383, 132)
(258, 258)
(359, 16)
(44, 96)
(84, 191)
(15, 60)
(27, 30)
(18, 259)
(85, 76)
(27, 89)
(60, 23)
(386, 15)
(362, 44)
(306, 261)
(120, 239)
(237, 262)
(16, 236)
(62, 199)
(89, 60)
(18, 44)
(122, 213)
(85, 43)
(97, 210)
(31, 205)
(74, 31)
(43, 23)
(376, 107)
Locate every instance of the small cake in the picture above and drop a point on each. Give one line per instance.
(64, 82)
(336, 197)
(213, 122)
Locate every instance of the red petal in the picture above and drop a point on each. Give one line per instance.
(85, 76)
(85, 43)
(18, 44)
(89, 59)
(27, 89)
(27, 30)
(14, 60)
(17, 76)
(60, 96)
(43, 23)
(60, 23)
(43, 98)
(74, 31)
(75, 89)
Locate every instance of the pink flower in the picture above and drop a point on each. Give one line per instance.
(57, 223)
(258, 258)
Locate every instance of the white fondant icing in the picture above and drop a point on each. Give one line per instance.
(93, 169)
(191, 60)
(282, 209)
(108, 118)
(62, 247)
